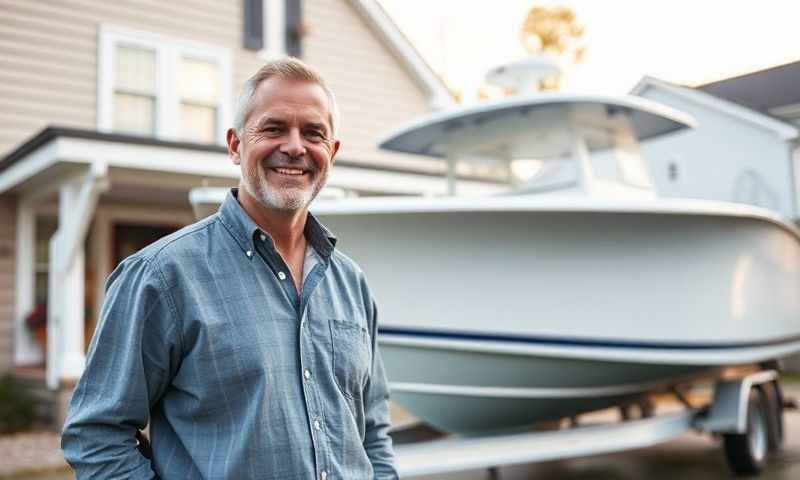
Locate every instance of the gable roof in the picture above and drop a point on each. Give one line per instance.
(380, 22)
(784, 130)
(763, 91)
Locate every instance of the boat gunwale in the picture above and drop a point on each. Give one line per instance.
(554, 204)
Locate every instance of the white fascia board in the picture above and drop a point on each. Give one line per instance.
(438, 95)
(784, 130)
(274, 19)
(148, 157)
(29, 166)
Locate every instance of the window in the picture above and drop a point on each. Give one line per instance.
(162, 87)
(198, 93)
(135, 90)
(672, 171)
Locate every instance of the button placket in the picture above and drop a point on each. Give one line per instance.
(310, 394)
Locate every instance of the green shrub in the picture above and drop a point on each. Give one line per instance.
(16, 406)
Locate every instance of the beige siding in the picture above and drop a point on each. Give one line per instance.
(7, 268)
(48, 64)
(48, 53)
(375, 92)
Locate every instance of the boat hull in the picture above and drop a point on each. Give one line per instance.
(479, 299)
(462, 390)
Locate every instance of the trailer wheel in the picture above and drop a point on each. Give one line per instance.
(747, 452)
(774, 398)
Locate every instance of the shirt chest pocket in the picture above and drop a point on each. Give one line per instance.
(351, 356)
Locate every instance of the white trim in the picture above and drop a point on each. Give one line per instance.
(168, 51)
(784, 130)
(525, 392)
(26, 168)
(438, 95)
(66, 280)
(82, 208)
(147, 157)
(26, 352)
(274, 30)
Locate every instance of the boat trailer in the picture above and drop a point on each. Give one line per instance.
(747, 412)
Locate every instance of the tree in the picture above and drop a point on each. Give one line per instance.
(553, 30)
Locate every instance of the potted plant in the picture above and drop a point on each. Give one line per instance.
(37, 324)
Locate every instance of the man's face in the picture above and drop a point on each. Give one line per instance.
(286, 147)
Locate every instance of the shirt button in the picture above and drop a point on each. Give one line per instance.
(307, 374)
(249, 253)
(323, 475)
(282, 275)
(263, 238)
(317, 425)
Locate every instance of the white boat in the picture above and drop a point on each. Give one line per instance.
(577, 290)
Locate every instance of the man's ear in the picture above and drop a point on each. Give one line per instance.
(334, 150)
(233, 146)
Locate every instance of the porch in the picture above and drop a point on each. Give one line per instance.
(82, 201)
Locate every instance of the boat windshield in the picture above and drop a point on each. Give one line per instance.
(592, 154)
(615, 155)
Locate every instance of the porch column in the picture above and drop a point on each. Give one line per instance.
(66, 309)
(26, 351)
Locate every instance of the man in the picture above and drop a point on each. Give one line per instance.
(246, 340)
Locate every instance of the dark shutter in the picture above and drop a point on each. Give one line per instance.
(294, 18)
(253, 24)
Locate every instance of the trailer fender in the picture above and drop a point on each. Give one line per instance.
(728, 412)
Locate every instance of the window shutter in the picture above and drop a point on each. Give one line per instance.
(293, 28)
(253, 24)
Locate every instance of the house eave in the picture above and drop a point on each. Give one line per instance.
(783, 130)
(56, 152)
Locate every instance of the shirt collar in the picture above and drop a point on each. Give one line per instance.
(245, 230)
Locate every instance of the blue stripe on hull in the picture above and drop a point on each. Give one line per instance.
(577, 342)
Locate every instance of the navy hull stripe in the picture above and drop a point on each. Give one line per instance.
(578, 342)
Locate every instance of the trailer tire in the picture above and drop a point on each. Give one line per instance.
(774, 398)
(747, 452)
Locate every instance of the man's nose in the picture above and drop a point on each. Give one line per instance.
(293, 146)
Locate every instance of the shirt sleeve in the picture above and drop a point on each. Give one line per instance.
(132, 356)
(377, 442)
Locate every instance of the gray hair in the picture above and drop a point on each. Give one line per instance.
(289, 68)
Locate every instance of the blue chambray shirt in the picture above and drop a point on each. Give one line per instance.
(203, 336)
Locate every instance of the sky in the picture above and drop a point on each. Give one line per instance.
(683, 41)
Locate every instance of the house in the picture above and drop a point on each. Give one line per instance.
(735, 154)
(111, 112)
(772, 91)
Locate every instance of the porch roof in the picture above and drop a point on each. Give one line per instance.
(140, 165)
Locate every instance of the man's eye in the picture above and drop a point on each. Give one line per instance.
(315, 135)
(271, 130)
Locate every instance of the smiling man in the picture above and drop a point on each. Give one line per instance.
(246, 341)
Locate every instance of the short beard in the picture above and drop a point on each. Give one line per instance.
(284, 200)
